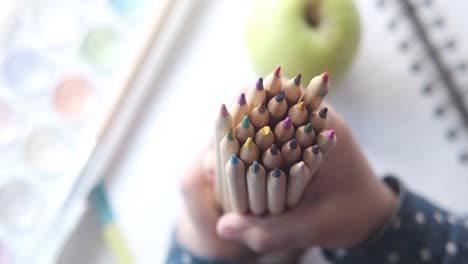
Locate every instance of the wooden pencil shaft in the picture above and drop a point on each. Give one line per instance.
(256, 94)
(293, 90)
(237, 186)
(315, 92)
(259, 116)
(312, 157)
(298, 114)
(228, 146)
(273, 84)
(304, 137)
(277, 108)
(284, 131)
(291, 152)
(326, 140)
(244, 130)
(299, 178)
(264, 138)
(256, 188)
(319, 119)
(276, 191)
(249, 152)
(272, 158)
(223, 124)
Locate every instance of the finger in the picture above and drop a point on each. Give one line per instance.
(209, 164)
(198, 195)
(265, 234)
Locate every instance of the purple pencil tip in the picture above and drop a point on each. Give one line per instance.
(262, 107)
(241, 99)
(286, 123)
(259, 84)
(274, 149)
(223, 110)
(297, 79)
(293, 143)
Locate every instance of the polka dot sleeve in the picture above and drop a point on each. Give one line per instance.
(418, 232)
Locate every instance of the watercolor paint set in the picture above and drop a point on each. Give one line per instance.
(64, 68)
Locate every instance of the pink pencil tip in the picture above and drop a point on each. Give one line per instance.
(325, 77)
(330, 133)
(241, 99)
(224, 110)
(277, 71)
(286, 123)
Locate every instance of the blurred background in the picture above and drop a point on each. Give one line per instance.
(112, 98)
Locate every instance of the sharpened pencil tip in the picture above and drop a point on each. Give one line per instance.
(276, 173)
(245, 122)
(277, 71)
(255, 167)
(300, 106)
(241, 99)
(248, 142)
(297, 79)
(234, 159)
(273, 149)
(279, 97)
(293, 143)
(262, 107)
(223, 110)
(229, 135)
(265, 130)
(330, 133)
(286, 124)
(308, 128)
(316, 149)
(259, 84)
(325, 77)
(323, 112)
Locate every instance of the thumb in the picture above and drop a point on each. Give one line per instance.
(265, 234)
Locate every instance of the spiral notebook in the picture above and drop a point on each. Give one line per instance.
(406, 96)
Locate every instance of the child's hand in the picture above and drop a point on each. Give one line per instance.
(196, 230)
(343, 205)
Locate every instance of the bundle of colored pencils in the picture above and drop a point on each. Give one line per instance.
(270, 144)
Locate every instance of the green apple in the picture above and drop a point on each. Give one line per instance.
(302, 36)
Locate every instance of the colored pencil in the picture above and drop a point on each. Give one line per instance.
(273, 83)
(272, 157)
(259, 116)
(249, 152)
(284, 131)
(326, 140)
(277, 107)
(298, 114)
(256, 188)
(291, 152)
(237, 186)
(244, 130)
(312, 156)
(305, 135)
(276, 191)
(239, 109)
(316, 91)
(299, 178)
(293, 90)
(256, 94)
(222, 125)
(319, 119)
(264, 138)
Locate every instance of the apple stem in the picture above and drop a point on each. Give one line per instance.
(312, 14)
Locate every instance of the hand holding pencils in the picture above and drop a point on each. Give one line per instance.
(270, 144)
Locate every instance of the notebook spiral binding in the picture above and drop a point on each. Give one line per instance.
(445, 73)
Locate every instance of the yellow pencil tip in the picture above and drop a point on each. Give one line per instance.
(249, 141)
(265, 130)
(300, 106)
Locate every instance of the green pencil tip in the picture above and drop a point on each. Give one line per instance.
(229, 135)
(308, 128)
(245, 122)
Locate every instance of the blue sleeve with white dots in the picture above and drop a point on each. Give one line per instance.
(418, 232)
